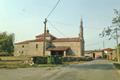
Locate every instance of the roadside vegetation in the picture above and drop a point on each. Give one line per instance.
(117, 65)
(6, 43)
(113, 32)
(12, 62)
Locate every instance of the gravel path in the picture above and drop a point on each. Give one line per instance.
(94, 70)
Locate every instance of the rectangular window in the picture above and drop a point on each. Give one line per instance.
(22, 46)
(22, 52)
(36, 46)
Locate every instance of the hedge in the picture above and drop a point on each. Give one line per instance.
(71, 59)
(58, 59)
(40, 60)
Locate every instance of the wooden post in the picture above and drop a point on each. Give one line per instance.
(44, 40)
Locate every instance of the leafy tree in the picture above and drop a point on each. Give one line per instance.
(6, 42)
(113, 31)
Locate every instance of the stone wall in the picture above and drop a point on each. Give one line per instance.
(36, 48)
(30, 49)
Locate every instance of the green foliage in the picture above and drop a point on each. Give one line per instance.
(72, 59)
(49, 60)
(117, 65)
(55, 59)
(40, 60)
(6, 42)
(112, 31)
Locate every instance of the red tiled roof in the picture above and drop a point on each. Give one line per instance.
(23, 42)
(66, 40)
(58, 48)
(55, 40)
(47, 35)
(108, 49)
(27, 41)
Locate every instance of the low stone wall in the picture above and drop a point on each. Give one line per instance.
(16, 60)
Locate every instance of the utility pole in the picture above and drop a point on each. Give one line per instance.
(44, 39)
(45, 22)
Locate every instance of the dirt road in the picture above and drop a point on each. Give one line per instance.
(94, 70)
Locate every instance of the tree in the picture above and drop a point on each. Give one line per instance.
(113, 31)
(6, 42)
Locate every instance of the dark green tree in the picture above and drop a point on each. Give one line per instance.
(6, 42)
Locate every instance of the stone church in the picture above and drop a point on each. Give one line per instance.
(53, 45)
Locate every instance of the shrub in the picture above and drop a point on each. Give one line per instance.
(5, 54)
(117, 65)
(55, 59)
(40, 60)
(71, 59)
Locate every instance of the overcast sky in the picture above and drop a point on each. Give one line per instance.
(25, 19)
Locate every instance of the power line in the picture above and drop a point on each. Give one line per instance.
(44, 42)
(53, 8)
(56, 29)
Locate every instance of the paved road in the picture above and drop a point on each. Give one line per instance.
(94, 70)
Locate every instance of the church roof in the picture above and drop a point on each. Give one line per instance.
(40, 38)
(27, 41)
(55, 40)
(47, 35)
(108, 49)
(23, 42)
(67, 40)
(58, 48)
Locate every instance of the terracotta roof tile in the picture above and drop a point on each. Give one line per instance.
(66, 40)
(23, 42)
(108, 49)
(58, 48)
(55, 40)
(27, 41)
(47, 35)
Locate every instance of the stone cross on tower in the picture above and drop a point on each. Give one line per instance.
(81, 39)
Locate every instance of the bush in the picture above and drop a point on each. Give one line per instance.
(54, 59)
(40, 60)
(5, 54)
(72, 59)
(117, 65)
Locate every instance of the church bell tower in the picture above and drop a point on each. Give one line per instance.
(81, 36)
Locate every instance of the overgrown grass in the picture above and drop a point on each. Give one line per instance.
(12, 62)
(74, 62)
(13, 58)
(14, 66)
(117, 65)
(46, 65)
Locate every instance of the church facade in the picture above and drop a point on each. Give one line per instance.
(53, 45)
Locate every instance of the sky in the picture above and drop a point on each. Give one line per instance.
(25, 19)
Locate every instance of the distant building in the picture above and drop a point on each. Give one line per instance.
(110, 53)
(94, 53)
(54, 45)
(107, 53)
